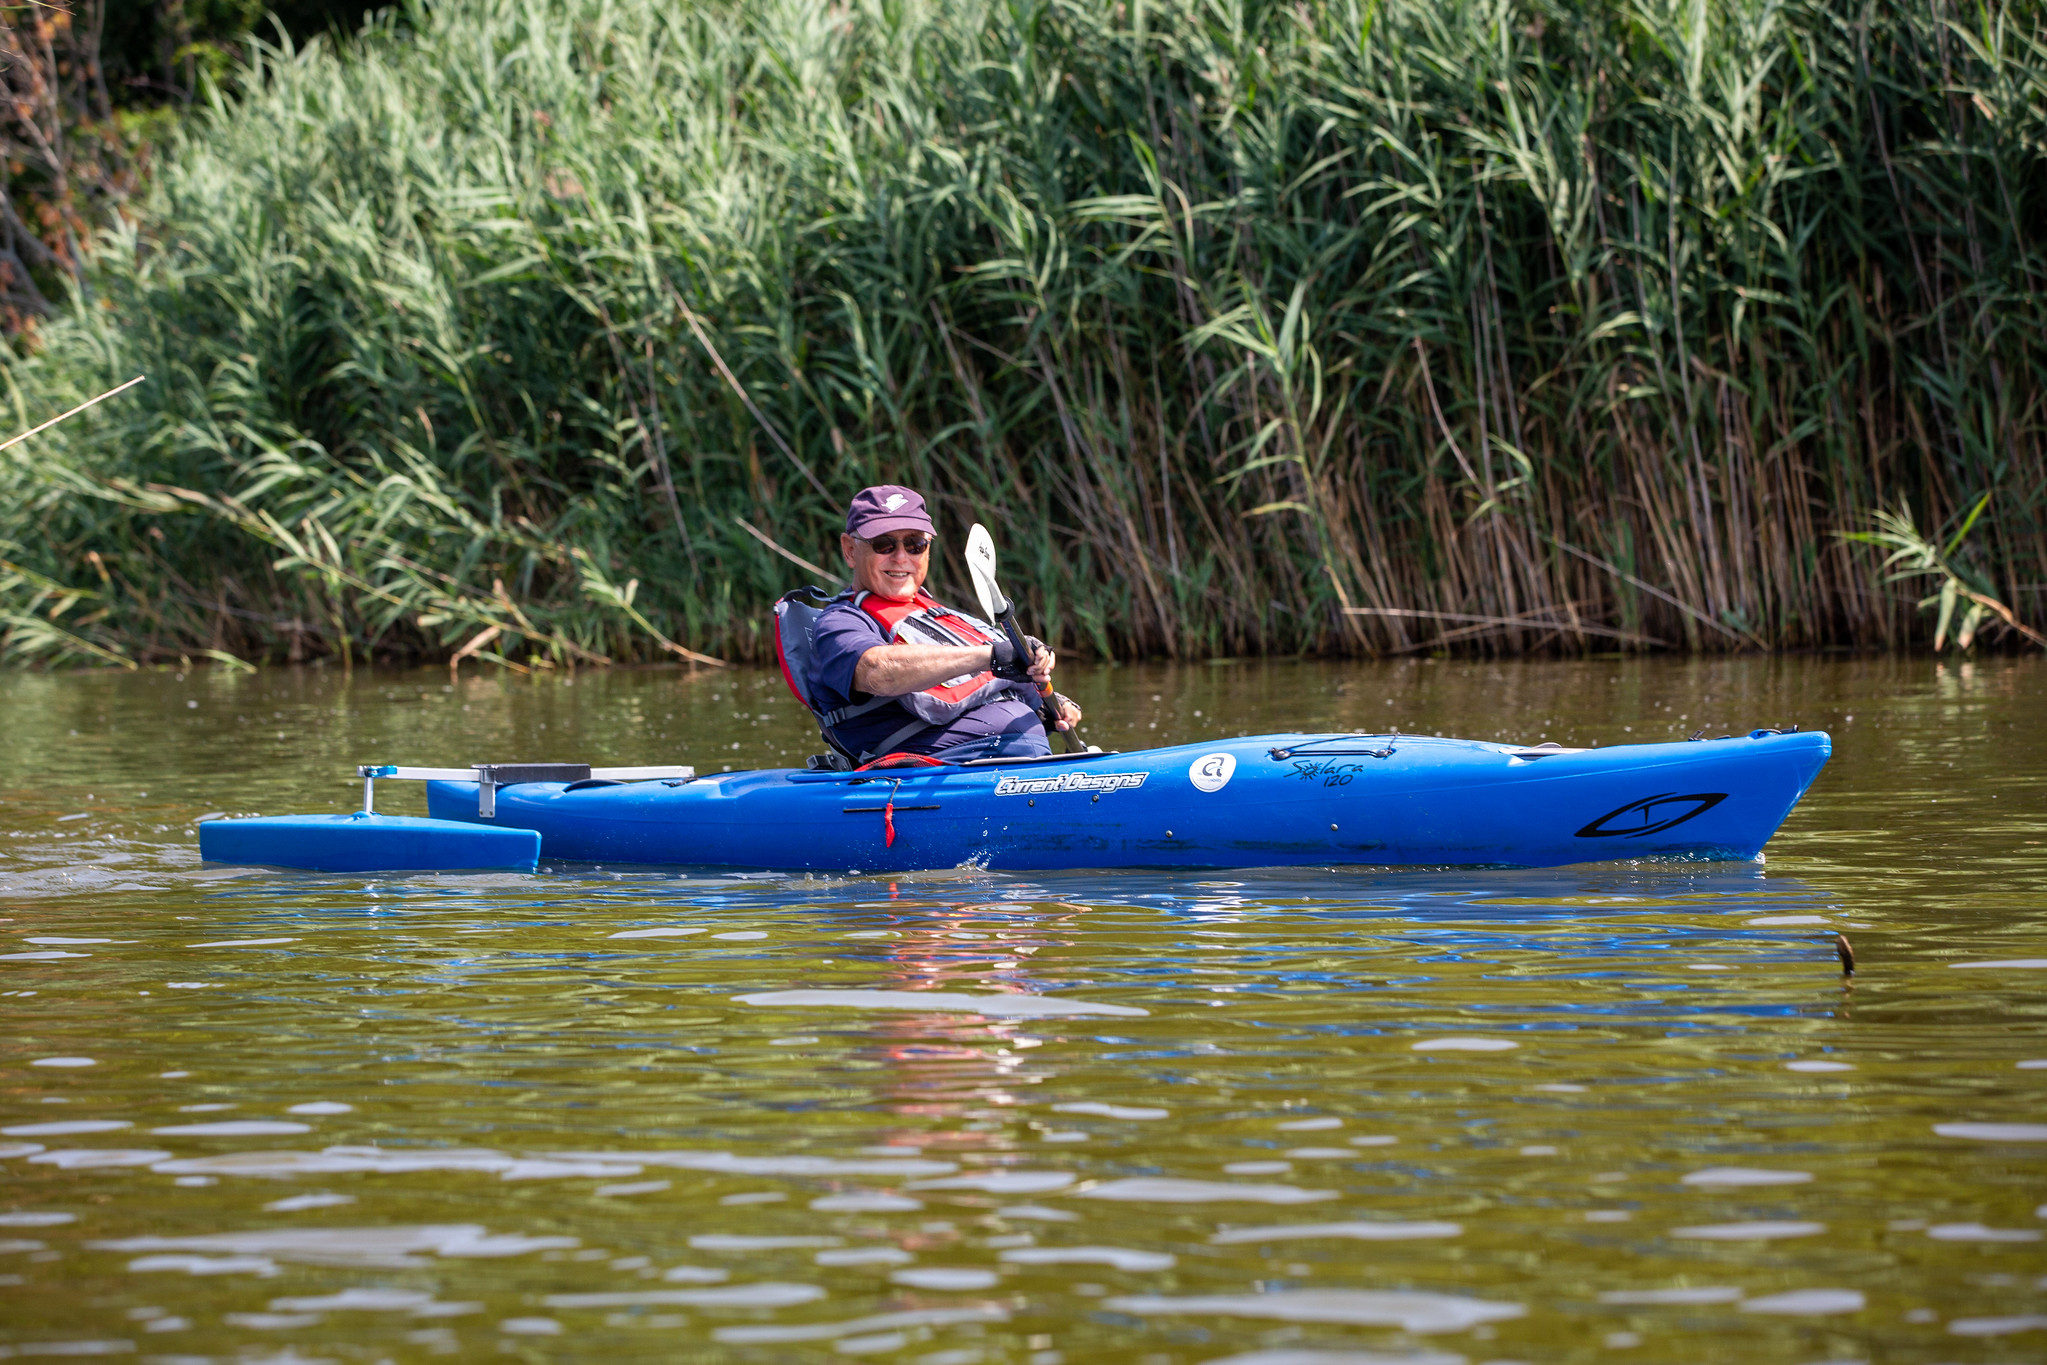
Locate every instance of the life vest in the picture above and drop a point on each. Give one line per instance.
(919, 621)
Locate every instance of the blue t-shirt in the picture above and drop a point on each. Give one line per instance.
(1005, 722)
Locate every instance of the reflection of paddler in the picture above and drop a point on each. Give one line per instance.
(951, 1077)
(887, 669)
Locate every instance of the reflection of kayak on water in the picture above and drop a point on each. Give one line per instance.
(1268, 800)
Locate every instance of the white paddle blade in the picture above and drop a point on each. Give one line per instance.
(981, 568)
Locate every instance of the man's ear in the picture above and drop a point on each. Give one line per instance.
(846, 543)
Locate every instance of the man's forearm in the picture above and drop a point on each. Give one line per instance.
(897, 670)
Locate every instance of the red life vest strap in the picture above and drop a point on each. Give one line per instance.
(900, 759)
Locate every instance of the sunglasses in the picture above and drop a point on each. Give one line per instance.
(886, 545)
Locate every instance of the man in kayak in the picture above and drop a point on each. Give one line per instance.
(890, 670)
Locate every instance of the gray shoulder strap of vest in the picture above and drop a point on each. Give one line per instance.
(856, 709)
(888, 745)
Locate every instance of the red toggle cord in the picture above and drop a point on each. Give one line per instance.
(888, 819)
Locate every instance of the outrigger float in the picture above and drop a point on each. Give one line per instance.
(1263, 801)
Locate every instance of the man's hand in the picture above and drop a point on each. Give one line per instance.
(1043, 661)
(1004, 663)
(1003, 660)
(1069, 714)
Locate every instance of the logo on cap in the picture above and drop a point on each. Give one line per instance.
(893, 501)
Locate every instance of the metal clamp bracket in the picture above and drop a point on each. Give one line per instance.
(488, 777)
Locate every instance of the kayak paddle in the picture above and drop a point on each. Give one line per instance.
(1002, 611)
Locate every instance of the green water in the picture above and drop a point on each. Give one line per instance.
(467, 1119)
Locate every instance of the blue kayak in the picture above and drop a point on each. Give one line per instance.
(1263, 801)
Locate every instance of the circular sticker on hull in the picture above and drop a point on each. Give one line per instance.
(1212, 772)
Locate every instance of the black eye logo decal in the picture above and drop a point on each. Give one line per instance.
(1651, 815)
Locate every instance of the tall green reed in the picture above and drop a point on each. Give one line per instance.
(1251, 327)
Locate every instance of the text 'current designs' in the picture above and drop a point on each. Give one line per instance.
(1098, 783)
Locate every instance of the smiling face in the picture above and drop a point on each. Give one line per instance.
(896, 576)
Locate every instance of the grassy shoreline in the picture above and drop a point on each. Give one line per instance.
(1507, 327)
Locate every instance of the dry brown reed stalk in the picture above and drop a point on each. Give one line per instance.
(13, 441)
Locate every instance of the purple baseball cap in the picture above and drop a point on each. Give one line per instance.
(887, 507)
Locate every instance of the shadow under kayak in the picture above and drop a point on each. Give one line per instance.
(1263, 801)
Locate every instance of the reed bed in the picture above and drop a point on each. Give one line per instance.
(547, 331)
